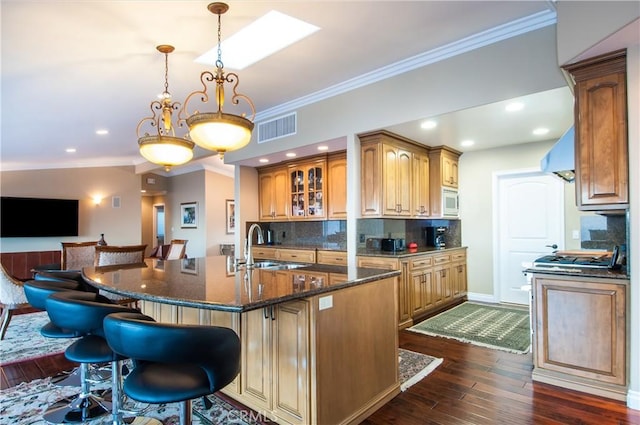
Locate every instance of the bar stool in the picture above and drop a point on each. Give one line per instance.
(174, 363)
(83, 312)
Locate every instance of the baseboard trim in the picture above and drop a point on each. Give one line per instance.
(633, 400)
(485, 298)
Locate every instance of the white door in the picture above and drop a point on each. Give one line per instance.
(530, 221)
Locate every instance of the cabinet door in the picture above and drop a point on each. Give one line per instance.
(420, 199)
(316, 192)
(422, 281)
(337, 188)
(266, 188)
(396, 166)
(449, 170)
(291, 362)
(459, 279)
(580, 328)
(370, 181)
(602, 156)
(257, 358)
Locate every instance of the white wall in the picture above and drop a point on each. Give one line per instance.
(121, 226)
(218, 189)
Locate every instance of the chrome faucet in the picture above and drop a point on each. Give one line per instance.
(248, 255)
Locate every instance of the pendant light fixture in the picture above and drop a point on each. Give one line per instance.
(163, 147)
(219, 131)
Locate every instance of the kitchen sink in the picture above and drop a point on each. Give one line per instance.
(273, 265)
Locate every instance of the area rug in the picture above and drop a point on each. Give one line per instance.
(25, 403)
(413, 367)
(498, 327)
(24, 342)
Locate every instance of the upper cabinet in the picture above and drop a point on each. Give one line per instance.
(274, 199)
(337, 186)
(313, 188)
(395, 176)
(443, 174)
(602, 169)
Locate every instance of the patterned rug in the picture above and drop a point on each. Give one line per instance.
(498, 327)
(17, 347)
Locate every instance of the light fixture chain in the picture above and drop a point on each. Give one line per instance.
(166, 73)
(219, 61)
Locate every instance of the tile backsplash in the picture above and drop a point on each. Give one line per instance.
(603, 231)
(409, 230)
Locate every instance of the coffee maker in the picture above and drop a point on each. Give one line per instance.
(435, 236)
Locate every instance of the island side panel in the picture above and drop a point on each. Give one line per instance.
(356, 351)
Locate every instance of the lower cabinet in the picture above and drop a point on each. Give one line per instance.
(275, 359)
(579, 333)
(428, 282)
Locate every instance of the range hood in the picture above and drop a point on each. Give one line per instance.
(560, 160)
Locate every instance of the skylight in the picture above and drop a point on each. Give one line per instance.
(265, 36)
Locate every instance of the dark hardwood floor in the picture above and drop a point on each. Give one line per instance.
(473, 385)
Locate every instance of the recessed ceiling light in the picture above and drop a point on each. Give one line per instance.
(291, 155)
(429, 124)
(265, 36)
(263, 160)
(70, 150)
(514, 106)
(102, 132)
(540, 131)
(467, 143)
(323, 148)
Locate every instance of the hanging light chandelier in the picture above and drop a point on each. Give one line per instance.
(218, 131)
(163, 147)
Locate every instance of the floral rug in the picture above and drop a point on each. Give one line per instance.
(24, 342)
(24, 404)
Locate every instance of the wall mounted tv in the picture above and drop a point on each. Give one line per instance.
(38, 217)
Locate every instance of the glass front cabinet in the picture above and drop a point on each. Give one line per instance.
(308, 190)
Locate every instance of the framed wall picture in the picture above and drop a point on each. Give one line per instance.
(189, 215)
(231, 216)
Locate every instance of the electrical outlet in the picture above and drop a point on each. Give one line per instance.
(284, 235)
(575, 234)
(362, 238)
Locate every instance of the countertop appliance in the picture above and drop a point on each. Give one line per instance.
(435, 236)
(392, 244)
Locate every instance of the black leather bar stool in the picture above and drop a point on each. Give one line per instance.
(173, 363)
(84, 312)
(37, 292)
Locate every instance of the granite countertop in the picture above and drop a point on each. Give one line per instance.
(580, 272)
(406, 252)
(212, 282)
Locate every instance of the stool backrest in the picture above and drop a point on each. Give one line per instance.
(110, 255)
(76, 255)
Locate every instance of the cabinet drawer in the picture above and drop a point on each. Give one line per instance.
(306, 256)
(335, 258)
(458, 256)
(441, 259)
(264, 252)
(421, 262)
(378, 263)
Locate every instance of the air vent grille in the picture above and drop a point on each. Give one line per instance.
(277, 128)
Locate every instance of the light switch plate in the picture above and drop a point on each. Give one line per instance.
(325, 302)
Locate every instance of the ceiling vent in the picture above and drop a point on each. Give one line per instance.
(276, 128)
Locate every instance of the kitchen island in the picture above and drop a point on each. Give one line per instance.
(319, 343)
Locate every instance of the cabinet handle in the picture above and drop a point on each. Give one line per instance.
(265, 312)
(273, 313)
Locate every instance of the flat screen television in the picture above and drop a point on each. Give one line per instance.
(38, 217)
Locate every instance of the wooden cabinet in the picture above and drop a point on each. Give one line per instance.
(275, 361)
(335, 258)
(307, 190)
(579, 329)
(602, 168)
(443, 173)
(284, 254)
(421, 190)
(337, 186)
(394, 176)
(274, 194)
(428, 282)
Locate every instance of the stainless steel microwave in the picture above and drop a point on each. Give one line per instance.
(450, 204)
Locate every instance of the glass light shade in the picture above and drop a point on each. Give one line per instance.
(219, 131)
(166, 150)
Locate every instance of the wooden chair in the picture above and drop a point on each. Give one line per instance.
(12, 298)
(110, 255)
(76, 255)
(177, 249)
